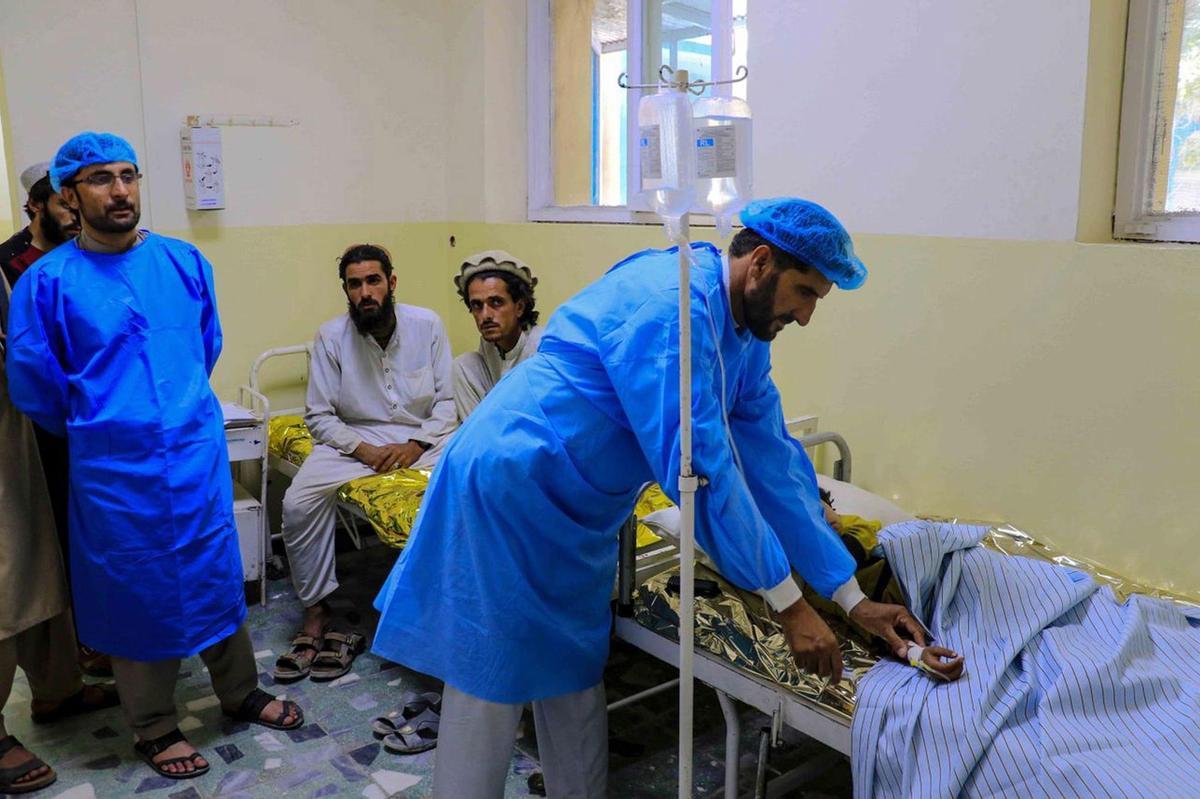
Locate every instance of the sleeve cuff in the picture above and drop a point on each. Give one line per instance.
(784, 595)
(849, 595)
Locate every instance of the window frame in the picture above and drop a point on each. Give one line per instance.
(1133, 218)
(539, 159)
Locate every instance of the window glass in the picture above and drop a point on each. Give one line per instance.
(588, 112)
(1182, 190)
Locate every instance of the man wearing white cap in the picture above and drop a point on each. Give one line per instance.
(51, 222)
(498, 291)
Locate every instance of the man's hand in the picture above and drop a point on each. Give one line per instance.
(885, 620)
(813, 644)
(389, 456)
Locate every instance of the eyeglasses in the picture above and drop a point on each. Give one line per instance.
(104, 180)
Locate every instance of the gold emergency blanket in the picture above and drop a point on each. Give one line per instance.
(737, 625)
(288, 438)
(389, 502)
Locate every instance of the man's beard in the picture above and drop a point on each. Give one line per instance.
(758, 307)
(52, 231)
(104, 223)
(374, 317)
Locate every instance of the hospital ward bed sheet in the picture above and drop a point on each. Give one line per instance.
(887, 703)
(1072, 689)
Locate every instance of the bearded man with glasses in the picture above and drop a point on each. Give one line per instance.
(112, 339)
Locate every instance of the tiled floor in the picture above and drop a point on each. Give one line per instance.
(335, 754)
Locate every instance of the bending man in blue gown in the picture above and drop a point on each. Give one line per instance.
(503, 590)
(112, 337)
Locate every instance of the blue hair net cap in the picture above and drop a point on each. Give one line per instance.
(85, 149)
(809, 233)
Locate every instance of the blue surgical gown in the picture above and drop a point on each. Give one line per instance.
(114, 352)
(503, 589)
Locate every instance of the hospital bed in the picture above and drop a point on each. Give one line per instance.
(384, 503)
(806, 705)
(741, 656)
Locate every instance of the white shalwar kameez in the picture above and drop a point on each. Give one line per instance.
(359, 392)
(474, 374)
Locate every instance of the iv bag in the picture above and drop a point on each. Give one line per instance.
(724, 170)
(668, 166)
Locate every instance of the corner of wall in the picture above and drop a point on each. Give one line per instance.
(1102, 121)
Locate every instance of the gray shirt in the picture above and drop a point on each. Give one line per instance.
(359, 392)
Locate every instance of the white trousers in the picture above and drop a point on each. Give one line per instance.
(310, 518)
(475, 745)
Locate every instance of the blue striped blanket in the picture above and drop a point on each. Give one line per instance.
(1067, 693)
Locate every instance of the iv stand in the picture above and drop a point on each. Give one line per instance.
(688, 480)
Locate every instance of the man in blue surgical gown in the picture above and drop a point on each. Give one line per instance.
(111, 340)
(503, 590)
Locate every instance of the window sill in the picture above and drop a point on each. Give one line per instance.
(607, 215)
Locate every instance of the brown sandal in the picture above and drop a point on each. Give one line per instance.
(337, 655)
(297, 663)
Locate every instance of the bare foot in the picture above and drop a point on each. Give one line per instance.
(317, 620)
(180, 749)
(18, 756)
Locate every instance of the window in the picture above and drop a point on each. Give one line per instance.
(580, 120)
(1158, 178)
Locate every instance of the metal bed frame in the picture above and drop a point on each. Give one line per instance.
(785, 708)
(348, 514)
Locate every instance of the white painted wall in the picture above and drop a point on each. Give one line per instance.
(924, 117)
(366, 78)
(486, 179)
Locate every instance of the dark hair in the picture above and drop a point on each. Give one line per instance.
(518, 289)
(357, 253)
(826, 496)
(748, 239)
(39, 192)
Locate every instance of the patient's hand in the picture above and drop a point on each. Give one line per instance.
(813, 644)
(938, 661)
(892, 623)
(389, 456)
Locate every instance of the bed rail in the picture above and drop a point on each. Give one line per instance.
(275, 352)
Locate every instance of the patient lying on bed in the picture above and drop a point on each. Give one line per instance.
(861, 537)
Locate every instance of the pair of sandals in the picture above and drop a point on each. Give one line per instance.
(249, 711)
(325, 658)
(414, 727)
(10, 776)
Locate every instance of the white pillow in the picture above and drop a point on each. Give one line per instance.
(849, 498)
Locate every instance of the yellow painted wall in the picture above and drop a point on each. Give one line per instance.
(1050, 384)
(276, 285)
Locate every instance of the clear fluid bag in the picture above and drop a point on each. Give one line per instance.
(667, 148)
(724, 169)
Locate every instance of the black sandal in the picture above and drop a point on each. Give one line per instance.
(256, 702)
(10, 775)
(147, 750)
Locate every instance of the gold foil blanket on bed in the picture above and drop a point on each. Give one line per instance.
(737, 626)
(389, 501)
